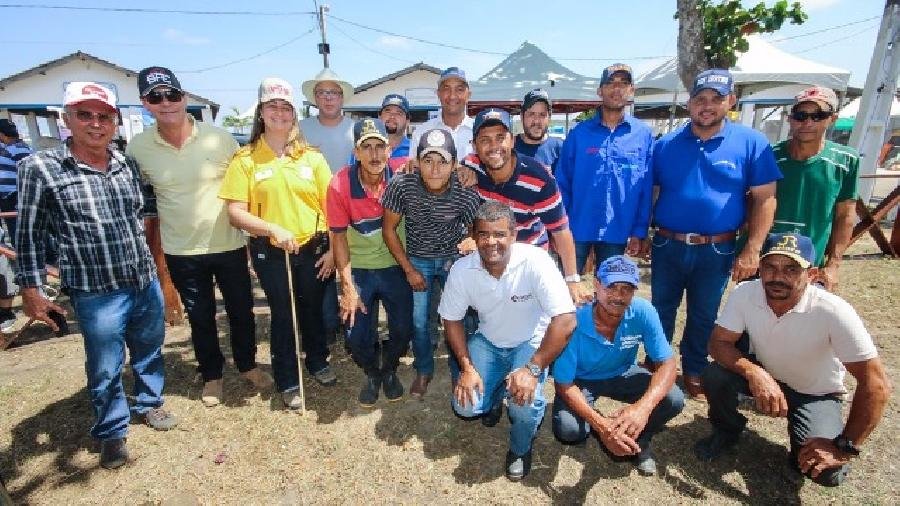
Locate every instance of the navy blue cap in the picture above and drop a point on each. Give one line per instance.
(491, 116)
(8, 128)
(608, 72)
(618, 269)
(453, 73)
(152, 77)
(437, 140)
(395, 99)
(536, 95)
(367, 128)
(798, 247)
(719, 80)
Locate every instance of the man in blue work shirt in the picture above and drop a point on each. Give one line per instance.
(395, 116)
(601, 360)
(534, 141)
(705, 171)
(604, 174)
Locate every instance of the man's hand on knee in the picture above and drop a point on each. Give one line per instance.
(769, 398)
(818, 454)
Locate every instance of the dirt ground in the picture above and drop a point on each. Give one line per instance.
(250, 451)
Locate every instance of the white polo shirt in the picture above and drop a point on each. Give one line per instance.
(515, 308)
(806, 346)
(462, 135)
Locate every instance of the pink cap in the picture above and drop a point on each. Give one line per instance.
(820, 95)
(82, 91)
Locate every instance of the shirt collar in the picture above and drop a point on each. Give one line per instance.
(804, 305)
(194, 131)
(116, 159)
(626, 121)
(516, 258)
(357, 190)
(721, 134)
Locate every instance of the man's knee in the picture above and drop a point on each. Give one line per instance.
(672, 404)
(470, 411)
(569, 429)
(716, 378)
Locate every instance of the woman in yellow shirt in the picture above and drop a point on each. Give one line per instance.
(275, 188)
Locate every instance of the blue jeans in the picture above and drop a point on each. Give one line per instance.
(110, 322)
(434, 270)
(494, 364)
(388, 285)
(570, 428)
(703, 272)
(602, 251)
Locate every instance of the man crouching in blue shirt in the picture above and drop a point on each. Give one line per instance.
(601, 360)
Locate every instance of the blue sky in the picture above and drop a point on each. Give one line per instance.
(566, 30)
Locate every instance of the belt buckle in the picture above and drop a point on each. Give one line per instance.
(689, 238)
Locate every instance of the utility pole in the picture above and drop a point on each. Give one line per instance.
(324, 49)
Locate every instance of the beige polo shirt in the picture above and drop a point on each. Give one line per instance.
(806, 347)
(192, 218)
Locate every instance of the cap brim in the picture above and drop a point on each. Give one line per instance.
(823, 104)
(617, 278)
(366, 137)
(804, 263)
(493, 122)
(436, 149)
(720, 91)
(148, 90)
(106, 104)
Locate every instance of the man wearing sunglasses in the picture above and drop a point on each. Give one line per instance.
(91, 195)
(184, 160)
(817, 196)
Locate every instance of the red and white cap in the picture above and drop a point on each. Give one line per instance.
(820, 95)
(275, 88)
(83, 91)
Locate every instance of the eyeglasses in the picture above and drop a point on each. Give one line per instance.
(104, 118)
(156, 97)
(817, 116)
(329, 93)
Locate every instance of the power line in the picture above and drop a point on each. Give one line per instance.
(248, 58)
(423, 41)
(807, 34)
(817, 46)
(367, 48)
(153, 11)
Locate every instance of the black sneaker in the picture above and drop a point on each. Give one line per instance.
(113, 453)
(517, 467)
(714, 445)
(368, 394)
(393, 389)
(492, 417)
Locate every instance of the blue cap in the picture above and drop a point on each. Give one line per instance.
(608, 72)
(453, 73)
(395, 99)
(719, 80)
(534, 96)
(367, 128)
(437, 140)
(798, 247)
(618, 269)
(491, 116)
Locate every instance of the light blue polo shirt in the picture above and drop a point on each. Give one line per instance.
(702, 184)
(590, 356)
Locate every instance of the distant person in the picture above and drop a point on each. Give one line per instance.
(104, 262)
(12, 149)
(275, 189)
(525, 319)
(605, 177)
(436, 212)
(454, 93)
(184, 160)
(395, 116)
(601, 361)
(368, 271)
(817, 197)
(803, 340)
(705, 171)
(535, 141)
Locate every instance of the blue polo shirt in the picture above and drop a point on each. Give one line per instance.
(605, 180)
(546, 152)
(590, 356)
(702, 184)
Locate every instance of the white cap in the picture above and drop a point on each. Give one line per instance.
(273, 88)
(82, 91)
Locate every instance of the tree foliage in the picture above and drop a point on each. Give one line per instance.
(235, 121)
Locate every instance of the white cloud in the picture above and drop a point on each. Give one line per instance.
(392, 42)
(815, 5)
(177, 36)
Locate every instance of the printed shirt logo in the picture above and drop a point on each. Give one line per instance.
(630, 341)
(521, 298)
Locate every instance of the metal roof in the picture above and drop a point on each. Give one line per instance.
(395, 75)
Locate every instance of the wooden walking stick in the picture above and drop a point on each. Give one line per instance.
(290, 277)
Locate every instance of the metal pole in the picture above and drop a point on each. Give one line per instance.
(324, 49)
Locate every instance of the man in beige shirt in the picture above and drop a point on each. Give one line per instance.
(184, 160)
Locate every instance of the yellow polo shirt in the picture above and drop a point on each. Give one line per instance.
(192, 219)
(287, 191)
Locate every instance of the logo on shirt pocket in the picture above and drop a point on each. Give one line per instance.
(521, 298)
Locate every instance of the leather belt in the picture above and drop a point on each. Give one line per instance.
(693, 239)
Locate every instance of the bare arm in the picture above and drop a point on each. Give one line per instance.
(841, 231)
(392, 241)
(873, 390)
(602, 426)
(521, 383)
(564, 244)
(630, 420)
(349, 299)
(769, 398)
(761, 215)
(469, 381)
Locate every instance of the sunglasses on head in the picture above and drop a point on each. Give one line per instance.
(156, 97)
(817, 116)
(104, 118)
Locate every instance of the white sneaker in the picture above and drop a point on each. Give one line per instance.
(291, 399)
(8, 322)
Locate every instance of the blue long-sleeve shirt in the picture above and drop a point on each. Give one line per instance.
(606, 181)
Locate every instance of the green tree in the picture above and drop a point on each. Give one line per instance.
(723, 27)
(235, 121)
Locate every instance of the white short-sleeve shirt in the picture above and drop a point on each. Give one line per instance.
(805, 348)
(462, 135)
(515, 308)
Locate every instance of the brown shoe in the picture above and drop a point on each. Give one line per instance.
(261, 379)
(693, 386)
(419, 386)
(212, 393)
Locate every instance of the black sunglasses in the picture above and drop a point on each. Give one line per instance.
(156, 97)
(817, 116)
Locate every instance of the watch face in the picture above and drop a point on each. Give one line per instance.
(534, 369)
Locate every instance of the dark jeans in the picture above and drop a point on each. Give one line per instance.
(570, 428)
(8, 204)
(268, 262)
(808, 415)
(194, 277)
(388, 285)
(602, 251)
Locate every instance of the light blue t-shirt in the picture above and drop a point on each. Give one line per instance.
(336, 142)
(590, 356)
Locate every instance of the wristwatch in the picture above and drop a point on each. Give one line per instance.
(534, 369)
(845, 444)
(572, 278)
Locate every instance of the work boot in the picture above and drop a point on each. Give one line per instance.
(212, 393)
(260, 379)
(368, 394)
(517, 467)
(419, 386)
(393, 389)
(492, 417)
(113, 453)
(714, 445)
(325, 376)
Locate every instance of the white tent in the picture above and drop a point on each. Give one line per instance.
(852, 108)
